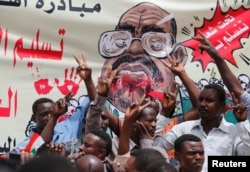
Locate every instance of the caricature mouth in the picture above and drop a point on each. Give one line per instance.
(134, 77)
(142, 64)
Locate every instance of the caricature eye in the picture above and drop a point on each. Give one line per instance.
(157, 44)
(120, 43)
(114, 43)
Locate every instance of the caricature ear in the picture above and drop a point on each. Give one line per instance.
(179, 53)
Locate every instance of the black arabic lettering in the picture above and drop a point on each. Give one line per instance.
(88, 10)
(5, 148)
(71, 8)
(52, 9)
(25, 3)
(63, 6)
(97, 8)
(39, 4)
(15, 3)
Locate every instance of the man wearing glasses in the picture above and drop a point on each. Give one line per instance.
(143, 38)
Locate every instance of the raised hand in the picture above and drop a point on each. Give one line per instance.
(207, 46)
(104, 84)
(135, 108)
(240, 109)
(169, 99)
(82, 69)
(179, 53)
(174, 65)
(61, 105)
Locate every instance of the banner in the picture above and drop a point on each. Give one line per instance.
(38, 40)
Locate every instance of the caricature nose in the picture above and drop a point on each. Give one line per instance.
(135, 48)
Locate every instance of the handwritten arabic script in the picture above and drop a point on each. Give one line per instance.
(224, 31)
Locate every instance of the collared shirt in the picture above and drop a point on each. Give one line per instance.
(93, 118)
(227, 139)
(164, 124)
(64, 131)
(70, 128)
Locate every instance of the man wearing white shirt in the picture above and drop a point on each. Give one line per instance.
(218, 136)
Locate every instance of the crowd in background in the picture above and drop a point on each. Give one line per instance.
(95, 140)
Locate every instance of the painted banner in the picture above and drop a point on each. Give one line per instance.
(38, 39)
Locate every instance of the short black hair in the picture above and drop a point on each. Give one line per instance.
(48, 163)
(105, 137)
(220, 91)
(39, 101)
(144, 157)
(185, 137)
(161, 167)
(151, 106)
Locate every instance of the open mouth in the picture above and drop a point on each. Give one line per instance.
(134, 76)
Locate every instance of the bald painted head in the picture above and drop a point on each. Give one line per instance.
(143, 37)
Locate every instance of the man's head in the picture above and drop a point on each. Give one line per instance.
(42, 109)
(140, 159)
(89, 163)
(144, 36)
(97, 143)
(189, 152)
(161, 167)
(104, 119)
(148, 117)
(48, 163)
(212, 102)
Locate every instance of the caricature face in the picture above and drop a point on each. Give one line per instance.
(136, 49)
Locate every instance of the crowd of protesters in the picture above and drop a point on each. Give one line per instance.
(145, 139)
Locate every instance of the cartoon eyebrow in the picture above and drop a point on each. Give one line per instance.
(167, 18)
